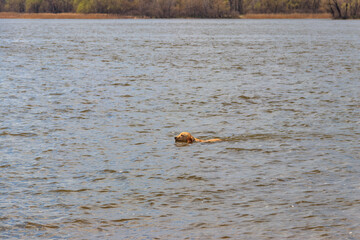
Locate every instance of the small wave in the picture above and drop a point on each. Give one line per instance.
(121, 84)
(245, 149)
(34, 225)
(108, 171)
(24, 134)
(190, 178)
(80, 221)
(110, 205)
(70, 190)
(125, 220)
(5, 166)
(56, 94)
(126, 96)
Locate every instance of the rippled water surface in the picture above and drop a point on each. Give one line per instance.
(89, 110)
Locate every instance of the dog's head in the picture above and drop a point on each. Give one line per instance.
(184, 137)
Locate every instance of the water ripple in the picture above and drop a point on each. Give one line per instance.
(89, 110)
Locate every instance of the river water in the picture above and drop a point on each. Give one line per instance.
(89, 110)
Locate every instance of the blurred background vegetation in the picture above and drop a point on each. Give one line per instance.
(185, 8)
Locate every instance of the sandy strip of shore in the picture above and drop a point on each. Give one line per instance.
(114, 16)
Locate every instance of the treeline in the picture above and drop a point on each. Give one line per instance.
(344, 9)
(185, 8)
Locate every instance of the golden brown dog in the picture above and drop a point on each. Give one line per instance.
(188, 138)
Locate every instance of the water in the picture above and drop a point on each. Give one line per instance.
(89, 110)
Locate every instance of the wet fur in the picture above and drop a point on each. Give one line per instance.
(188, 138)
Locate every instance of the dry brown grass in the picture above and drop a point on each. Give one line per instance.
(114, 16)
(62, 16)
(288, 16)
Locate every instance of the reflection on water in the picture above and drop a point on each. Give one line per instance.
(89, 109)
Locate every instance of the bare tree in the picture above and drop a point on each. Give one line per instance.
(344, 9)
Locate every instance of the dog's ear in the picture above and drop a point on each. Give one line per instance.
(190, 139)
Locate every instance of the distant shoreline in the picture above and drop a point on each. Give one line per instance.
(14, 15)
(286, 16)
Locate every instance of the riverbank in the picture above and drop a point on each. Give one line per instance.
(63, 16)
(287, 16)
(114, 16)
